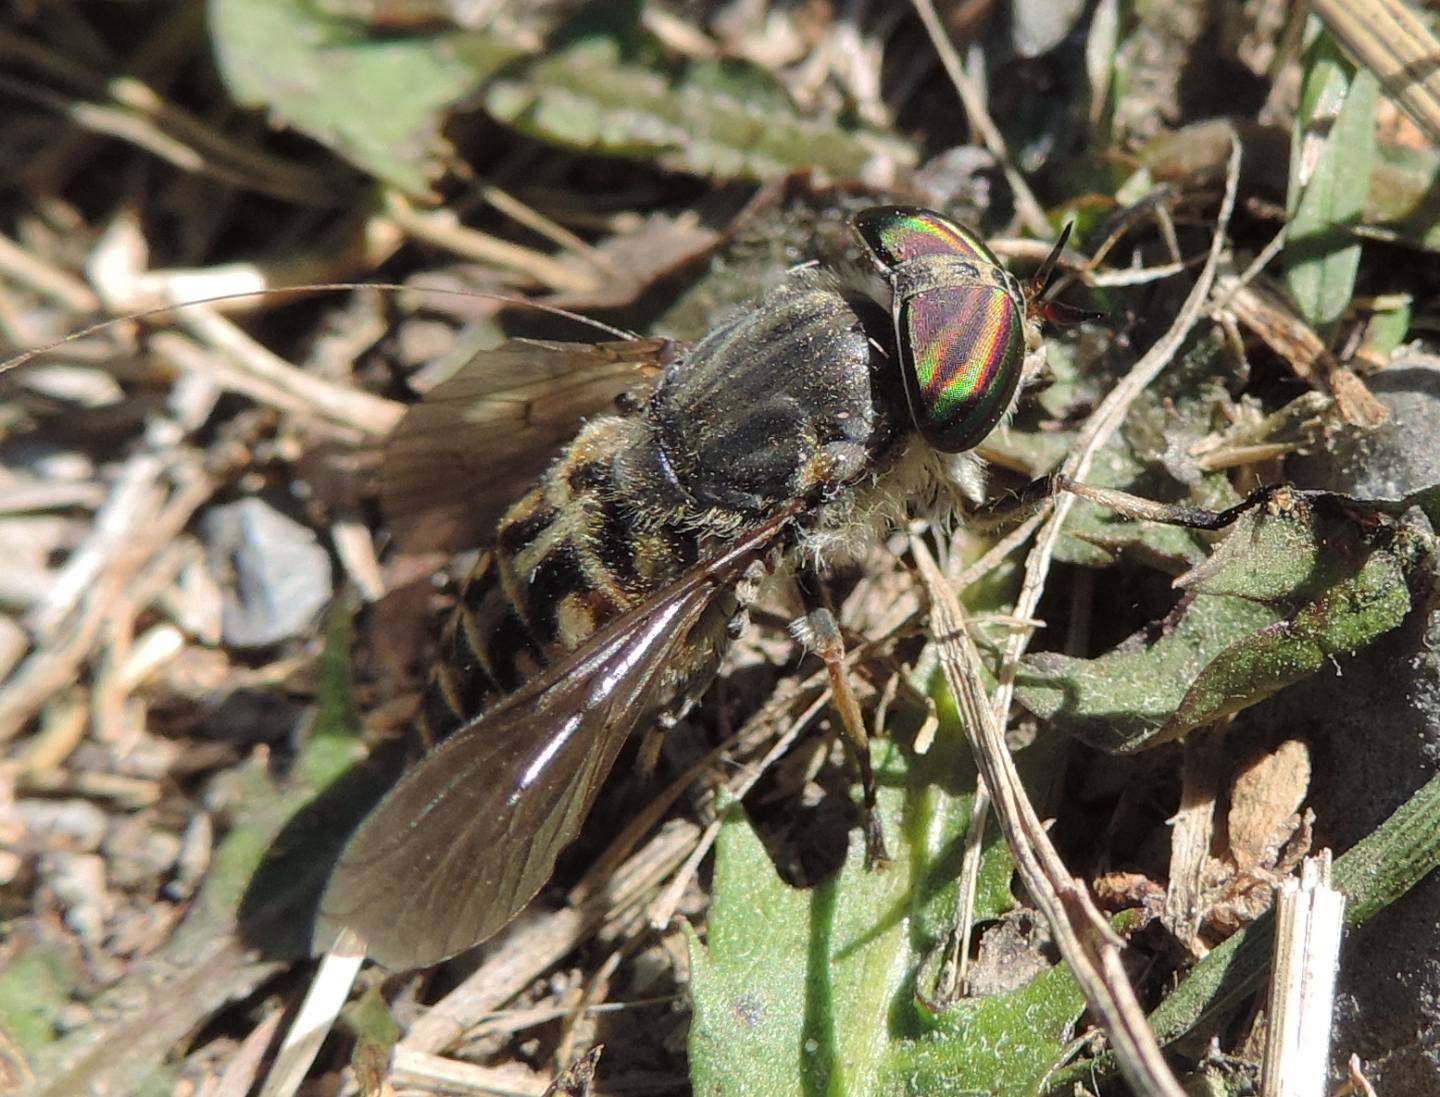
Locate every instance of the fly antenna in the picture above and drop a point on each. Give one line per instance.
(1045, 286)
(1044, 280)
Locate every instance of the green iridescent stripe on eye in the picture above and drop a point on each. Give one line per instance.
(966, 346)
(899, 234)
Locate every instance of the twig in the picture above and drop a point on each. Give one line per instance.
(1191, 834)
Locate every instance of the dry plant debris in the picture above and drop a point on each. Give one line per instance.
(210, 641)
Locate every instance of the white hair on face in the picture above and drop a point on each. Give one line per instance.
(921, 482)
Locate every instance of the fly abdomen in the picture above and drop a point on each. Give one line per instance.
(572, 554)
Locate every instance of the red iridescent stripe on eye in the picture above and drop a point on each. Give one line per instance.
(912, 233)
(965, 346)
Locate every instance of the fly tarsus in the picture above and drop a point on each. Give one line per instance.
(822, 632)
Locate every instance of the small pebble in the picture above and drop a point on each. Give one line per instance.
(274, 573)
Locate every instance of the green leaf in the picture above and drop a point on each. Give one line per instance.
(1404, 195)
(1351, 614)
(1123, 699)
(1281, 594)
(1332, 154)
(378, 102)
(813, 991)
(35, 985)
(1388, 329)
(586, 97)
(999, 1046)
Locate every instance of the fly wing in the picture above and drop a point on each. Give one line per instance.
(479, 439)
(470, 834)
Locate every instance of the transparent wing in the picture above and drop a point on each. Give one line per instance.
(470, 834)
(478, 440)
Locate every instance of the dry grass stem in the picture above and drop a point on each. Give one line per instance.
(1114, 279)
(264, 376)
(1265, 312)
(1083, 936)
(1103, 423)
(1191, 833)
(530, 948)
(444, 230)
(437, 1074)
(1309, 925)
(241, 161)
(329, 990)
(1391, 40)
(1098, 428)
(29, 269)
(355, 547)
(1031, 213)
(46, 495)
(240, 1073)
(74, 624)
(537, 222)
(129, 110)
(662, 911)
(189, 483)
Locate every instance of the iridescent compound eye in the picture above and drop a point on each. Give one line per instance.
(959, 322)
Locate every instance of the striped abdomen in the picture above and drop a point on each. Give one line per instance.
(570, 556)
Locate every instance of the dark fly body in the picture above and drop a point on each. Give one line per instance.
(841, 400)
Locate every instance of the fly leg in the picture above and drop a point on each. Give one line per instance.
(1174, 514)
(1021, 504)
(1013, 507)
(821, 631)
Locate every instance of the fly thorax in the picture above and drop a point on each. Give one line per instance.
(779, 404)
